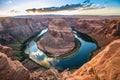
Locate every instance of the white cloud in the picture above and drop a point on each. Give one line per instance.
(9, 2)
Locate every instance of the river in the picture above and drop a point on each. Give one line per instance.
(76, 58)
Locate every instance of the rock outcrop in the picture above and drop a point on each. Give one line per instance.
(49, 74)
(112, 28)
(58, 40)
(90, 25)
(10, 28)
(104, 66)
(6, 50)
(96, 26)
(12, 70)
(102, 30)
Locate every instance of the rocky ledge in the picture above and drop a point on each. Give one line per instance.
(104, 66)
(12, 70)
(102, 30)
(58, 40)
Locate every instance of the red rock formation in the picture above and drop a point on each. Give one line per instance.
(112, 28)
(49, 74)
(12, 70)
(59, 39)
(10, 28)
(6, 50)
(102, 30)
(104, 66)
(90, 25)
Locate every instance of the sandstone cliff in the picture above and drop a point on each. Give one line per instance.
(102, 30)
(12, 29)
(12, 70)
(112, 28)
(104, 66)
(59, 38)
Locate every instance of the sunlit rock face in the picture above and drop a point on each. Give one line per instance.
(104, 66)
(12, 70)
(58, 40)
(112, 28)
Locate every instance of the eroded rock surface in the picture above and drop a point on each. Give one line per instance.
(112, 28)
(6, 50)
(49, 74)
(104, 66)
(59, 39)
(102, 30)
(12, 70)
(13, 29)
(99, 27)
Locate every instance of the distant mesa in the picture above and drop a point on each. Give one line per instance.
(58, 40)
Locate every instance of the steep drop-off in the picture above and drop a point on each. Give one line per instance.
(104, 66)
(12, 70)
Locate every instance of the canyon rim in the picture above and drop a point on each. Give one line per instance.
(59, 40)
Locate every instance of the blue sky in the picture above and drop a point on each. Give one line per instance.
(21, 5)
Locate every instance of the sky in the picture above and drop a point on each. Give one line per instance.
(18, 7)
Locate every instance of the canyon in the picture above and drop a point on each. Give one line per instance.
(103, 66)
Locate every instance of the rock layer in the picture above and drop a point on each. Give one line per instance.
(58, 40)
(112, 28)
(104, 66)
(102, 30)
(95, 26)
(10, 28)
(50, 74)
(12, 70)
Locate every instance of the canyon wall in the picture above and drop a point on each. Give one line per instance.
(11, 70)
(102, 29)
(15, 70)
(12, 29)
(104, 66)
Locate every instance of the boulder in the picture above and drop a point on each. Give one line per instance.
(104, 66)
(58, 40)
